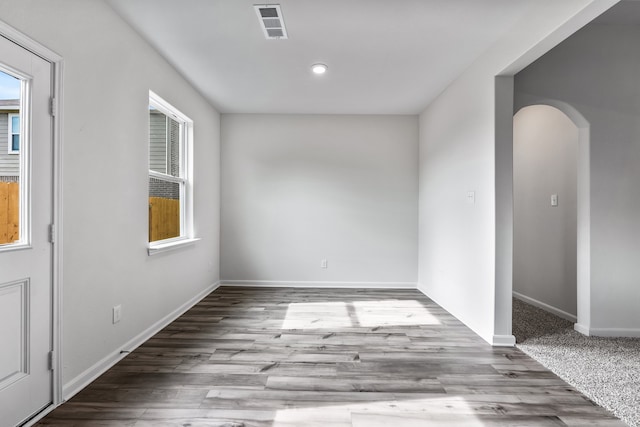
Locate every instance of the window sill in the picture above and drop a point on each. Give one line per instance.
(170, 246)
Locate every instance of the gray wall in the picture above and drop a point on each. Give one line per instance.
(297, 189)
(545, 153)
(9, 163)
(596, 71)
(109, 71)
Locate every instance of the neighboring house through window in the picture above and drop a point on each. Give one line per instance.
(10, 139)
(13, 126)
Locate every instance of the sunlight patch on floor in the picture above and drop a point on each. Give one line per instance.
(317, 315)
(353, 314)
(426, 412)
(393, 313)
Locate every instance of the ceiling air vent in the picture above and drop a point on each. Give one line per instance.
(270, 17)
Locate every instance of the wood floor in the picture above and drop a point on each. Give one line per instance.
(325, 357)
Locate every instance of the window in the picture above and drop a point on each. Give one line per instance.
(14, 133)
(170, 195)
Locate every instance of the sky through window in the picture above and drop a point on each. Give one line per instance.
(9, 86)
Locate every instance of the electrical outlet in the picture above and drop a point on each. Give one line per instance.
(117, 313)
(323, 263)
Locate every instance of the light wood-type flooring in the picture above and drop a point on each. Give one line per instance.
(322, 358)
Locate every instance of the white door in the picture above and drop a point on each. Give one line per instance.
(26, 171)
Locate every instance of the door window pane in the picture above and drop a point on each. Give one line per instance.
(10, 160)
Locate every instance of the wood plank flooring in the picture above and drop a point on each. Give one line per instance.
(258, 357)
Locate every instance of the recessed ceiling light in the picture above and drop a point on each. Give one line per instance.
(319, 68)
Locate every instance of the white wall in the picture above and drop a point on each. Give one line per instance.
(108, 71)
(545, 153)
(465, 251)
(596, 71)
(298, 188)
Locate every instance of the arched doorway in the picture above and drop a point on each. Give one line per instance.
(551, 261)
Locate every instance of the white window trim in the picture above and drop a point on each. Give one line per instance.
(170, 244)
(187, 236)
(10, 133)
(167, 147)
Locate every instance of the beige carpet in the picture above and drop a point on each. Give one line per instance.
(607, 370)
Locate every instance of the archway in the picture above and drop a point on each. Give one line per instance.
(582, 230)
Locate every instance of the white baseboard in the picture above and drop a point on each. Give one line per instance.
(607, 332)
(503, 341)
(422, 289)
(546, 307)
(85, 378)
(584, 330)
(313, 284)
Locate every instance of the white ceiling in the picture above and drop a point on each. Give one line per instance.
(384, 57)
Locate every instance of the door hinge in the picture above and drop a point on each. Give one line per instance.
(51, 360)
(53, 106)
(52, 233)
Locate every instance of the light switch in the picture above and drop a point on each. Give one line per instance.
(471, 197)
(554, 200)
(117, 313)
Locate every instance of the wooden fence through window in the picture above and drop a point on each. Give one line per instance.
(9, 212)
(164, 215)
(164, 218)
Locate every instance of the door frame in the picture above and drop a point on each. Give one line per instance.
(57, 64)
